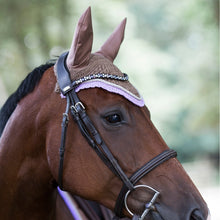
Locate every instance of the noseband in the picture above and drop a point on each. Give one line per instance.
(94, 139)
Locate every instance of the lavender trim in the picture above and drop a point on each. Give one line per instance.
(70, 205)
(111, 87)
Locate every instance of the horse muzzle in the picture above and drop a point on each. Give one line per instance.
(154, 211)
(195, 214)
(153, 214)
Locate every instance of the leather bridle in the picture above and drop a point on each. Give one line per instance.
(94, 139)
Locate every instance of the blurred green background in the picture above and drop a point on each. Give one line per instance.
(170, 52)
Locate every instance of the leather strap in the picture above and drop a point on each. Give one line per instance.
(63, 76)
(94, 139)
(62, 144)
(144, 170)
(84, 123)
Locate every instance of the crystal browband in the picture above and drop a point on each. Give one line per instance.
(100, 76)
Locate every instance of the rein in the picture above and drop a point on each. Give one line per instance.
(88, 130)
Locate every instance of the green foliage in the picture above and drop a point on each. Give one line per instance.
(186, 32)
(170, 52)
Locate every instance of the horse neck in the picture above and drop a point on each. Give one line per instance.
(25, 182)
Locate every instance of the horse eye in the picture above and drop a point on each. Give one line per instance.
(114, 118)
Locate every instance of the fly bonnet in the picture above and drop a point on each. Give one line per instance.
(96, 70)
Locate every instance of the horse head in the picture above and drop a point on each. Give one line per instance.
(119, 124)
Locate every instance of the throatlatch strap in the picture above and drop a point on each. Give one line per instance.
(62, 143)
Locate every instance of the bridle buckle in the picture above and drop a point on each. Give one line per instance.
(78, 107)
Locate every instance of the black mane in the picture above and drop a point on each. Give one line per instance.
(26, 87)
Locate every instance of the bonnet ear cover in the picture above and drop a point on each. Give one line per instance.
(111, 47)
(80, 51)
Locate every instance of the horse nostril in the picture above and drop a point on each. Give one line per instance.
(196, 215)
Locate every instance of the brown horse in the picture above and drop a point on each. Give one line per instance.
(109, 115)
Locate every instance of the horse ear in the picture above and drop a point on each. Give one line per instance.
(81, 47)
(111, 47)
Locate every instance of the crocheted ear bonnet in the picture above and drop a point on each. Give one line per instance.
(96, 70)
